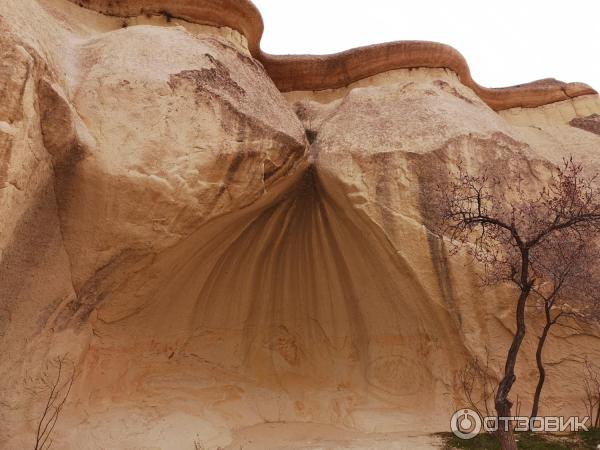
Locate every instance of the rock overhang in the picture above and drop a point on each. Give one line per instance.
(323, 72)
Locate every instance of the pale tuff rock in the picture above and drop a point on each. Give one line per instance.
(224, 262)
(320, 72)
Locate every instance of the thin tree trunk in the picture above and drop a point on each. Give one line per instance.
(507, 440)
(502, 402)
(540, 364)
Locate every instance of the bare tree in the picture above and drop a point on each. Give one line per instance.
(570, 287)
(508, 229)
(591, 384)
(478, 385)
(58, 388)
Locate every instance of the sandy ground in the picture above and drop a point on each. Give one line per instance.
(284, 436)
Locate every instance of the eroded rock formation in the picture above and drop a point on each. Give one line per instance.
(213, 254)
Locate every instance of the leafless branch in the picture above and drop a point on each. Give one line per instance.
(58, 393)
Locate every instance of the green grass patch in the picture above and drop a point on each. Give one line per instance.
(527, 441)
(590, 438)
(481, 442)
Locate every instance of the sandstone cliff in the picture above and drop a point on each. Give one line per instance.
(219, 238)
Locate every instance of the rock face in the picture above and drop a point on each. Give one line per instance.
(211, 254)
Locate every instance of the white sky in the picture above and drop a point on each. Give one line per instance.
(505, 42)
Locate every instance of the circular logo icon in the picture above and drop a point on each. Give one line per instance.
(465, 424)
